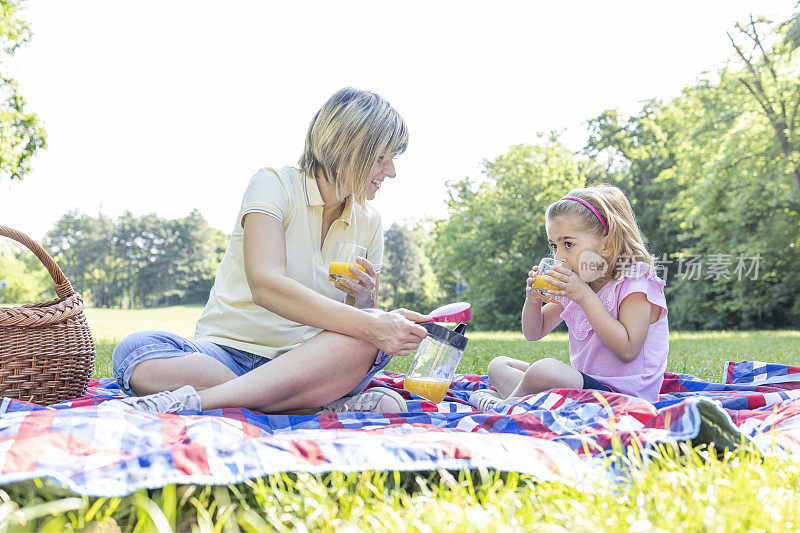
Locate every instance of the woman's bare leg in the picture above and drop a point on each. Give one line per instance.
(322, 369)
(199, 370)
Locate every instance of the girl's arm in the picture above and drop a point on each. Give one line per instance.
(624, 336)
(538, 320)
(265, 269)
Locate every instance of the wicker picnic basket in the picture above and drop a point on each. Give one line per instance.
(46, 349)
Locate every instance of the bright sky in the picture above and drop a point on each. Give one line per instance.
(166, 106)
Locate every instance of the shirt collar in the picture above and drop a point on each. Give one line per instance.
(313, 197)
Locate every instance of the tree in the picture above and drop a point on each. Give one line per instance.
(137, 261)
(705, 175)
(402, 263)
(770, 76)
(25, 278)
(640, 154)
(740, 203)
(21, 134)
(80, 244)
(792, 36)
(193, 252)
(495, 230)
(407, 279)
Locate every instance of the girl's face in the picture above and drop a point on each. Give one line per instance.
(583, 252)
(383, 168)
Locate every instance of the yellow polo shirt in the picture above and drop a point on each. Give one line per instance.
(230, 317)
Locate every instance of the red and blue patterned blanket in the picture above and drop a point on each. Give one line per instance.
(561, 434)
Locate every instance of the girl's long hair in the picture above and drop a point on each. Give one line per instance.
(346, 137)
(625, 238)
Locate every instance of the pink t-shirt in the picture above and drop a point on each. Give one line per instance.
(641, 377)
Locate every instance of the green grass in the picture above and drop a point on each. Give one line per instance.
(109, 326)
(694, 490)
(701, 354)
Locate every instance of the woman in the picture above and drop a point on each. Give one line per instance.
(276, 335)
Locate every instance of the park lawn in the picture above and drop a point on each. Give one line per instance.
(694, 490)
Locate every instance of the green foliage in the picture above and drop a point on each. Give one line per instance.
(407, 278)
(21, 134)
(495, 230)
(639, 154)
(27, 281)
(792, 37)
(713, 174)
(137, 261)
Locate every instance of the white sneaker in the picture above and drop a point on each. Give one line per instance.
(485, 399)
(375, 400)
(182, 399)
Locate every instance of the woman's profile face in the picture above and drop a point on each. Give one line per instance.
(383, 168)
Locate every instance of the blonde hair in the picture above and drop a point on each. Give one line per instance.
(625, 238)
(346, 137)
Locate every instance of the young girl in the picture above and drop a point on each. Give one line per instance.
(611, 299)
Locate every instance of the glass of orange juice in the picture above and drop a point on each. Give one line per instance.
(339, 267)
(541, 287)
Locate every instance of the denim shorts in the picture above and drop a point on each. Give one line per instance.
(154, 344)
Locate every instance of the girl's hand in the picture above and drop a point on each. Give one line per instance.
(569, 283)
(363, 287)
(396, 333)
(530, 296)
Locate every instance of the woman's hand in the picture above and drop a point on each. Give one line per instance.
(362, 288)
(413, 315)
(569, 283)
(396, 333)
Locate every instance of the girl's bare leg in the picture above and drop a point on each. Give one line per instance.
(506, 373)
(547, 374)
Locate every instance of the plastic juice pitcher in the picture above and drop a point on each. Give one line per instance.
(435, 361)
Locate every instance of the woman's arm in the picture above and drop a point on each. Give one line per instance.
(265, 269)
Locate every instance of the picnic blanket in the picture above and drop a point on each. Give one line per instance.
(561, 434)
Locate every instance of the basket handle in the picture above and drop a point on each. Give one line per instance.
(62, 285)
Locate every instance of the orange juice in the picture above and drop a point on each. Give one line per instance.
(431, 388)
(338, 270)
(541, 286)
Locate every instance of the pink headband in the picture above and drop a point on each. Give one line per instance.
(587, 204)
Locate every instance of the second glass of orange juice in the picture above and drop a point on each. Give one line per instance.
(339, 267)
(541, 287)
